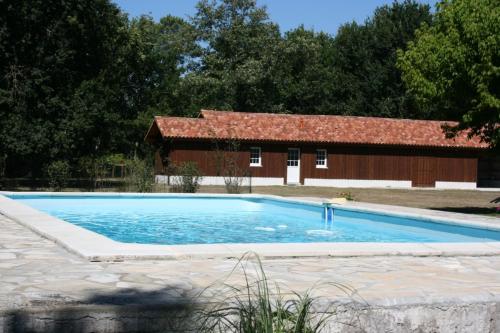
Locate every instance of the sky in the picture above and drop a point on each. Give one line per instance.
(320, 15)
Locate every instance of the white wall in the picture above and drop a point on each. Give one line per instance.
(357, 183)
(456, 185)
(361, 183)
(161, 179)
(214, 180)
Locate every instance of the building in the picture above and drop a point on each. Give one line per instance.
(319, 150)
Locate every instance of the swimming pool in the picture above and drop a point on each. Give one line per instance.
(175, 220)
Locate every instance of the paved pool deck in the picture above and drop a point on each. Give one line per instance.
(434, 293)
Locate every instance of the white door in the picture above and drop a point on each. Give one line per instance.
(293, 166)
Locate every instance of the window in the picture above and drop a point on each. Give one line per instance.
(321, 158)
(293, 157)
(255, 156)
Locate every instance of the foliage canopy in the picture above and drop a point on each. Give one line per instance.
(79, 80)
(453, 66)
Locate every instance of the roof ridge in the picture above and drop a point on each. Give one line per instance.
(322, 115)
(177, 117)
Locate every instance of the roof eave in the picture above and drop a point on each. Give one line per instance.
(150, 135)
(335, 143)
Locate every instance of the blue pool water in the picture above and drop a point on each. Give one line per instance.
(197, 220)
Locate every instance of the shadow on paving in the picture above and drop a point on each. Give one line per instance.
(128, 310)
(469, 210)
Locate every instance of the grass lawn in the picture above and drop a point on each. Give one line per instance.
(461, 201)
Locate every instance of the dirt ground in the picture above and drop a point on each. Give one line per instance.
(461, 201)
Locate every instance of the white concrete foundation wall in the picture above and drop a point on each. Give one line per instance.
(361, 183)
(256, 181)
(210, 180)
(357, 183)
(456, 185)
(160, 179)
(215, 180)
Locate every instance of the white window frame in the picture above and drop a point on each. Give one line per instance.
(322, 166)
(256, 164)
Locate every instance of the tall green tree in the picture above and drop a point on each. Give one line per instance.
(77, 78)
(168, 49)
(305, 73)
(453, 66)
(368, 82)
(61, 83)
(235, 70)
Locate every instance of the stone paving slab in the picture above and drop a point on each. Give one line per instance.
(34, 270)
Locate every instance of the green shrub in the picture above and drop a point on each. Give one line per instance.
(58, 173)
(226, 160)
(114, 159)
(140, 176)
(347, 195)
(94, 169)
(233, 178)
(186, 179)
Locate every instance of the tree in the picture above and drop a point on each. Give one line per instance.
(64, 79)
(368, 82)
(78, 79)
(168, 50)
(305, 72)
(453, 66)
(247, 65)
(235, 70)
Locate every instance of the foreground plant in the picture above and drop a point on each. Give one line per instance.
(259, 306)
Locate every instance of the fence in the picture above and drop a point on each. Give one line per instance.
(37, 184)
(242, 184)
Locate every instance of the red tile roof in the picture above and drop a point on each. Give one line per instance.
(311, 128)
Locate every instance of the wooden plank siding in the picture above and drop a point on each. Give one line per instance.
(422, 167)
(206, 157)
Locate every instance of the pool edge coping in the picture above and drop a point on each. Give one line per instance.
(96, 247)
